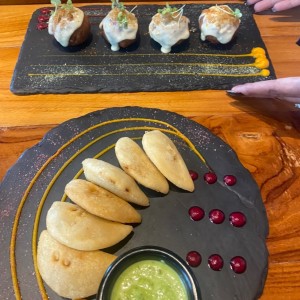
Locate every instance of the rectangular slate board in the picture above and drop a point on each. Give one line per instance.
(46, 67)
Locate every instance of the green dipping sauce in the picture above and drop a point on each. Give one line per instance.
(149, 280)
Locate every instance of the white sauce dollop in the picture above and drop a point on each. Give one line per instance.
(169, 33)
(63, 30)
(116, 33)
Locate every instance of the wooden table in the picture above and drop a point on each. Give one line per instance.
(264, 133)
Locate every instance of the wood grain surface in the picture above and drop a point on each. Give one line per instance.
(264, 133)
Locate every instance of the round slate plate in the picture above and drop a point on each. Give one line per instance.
(40, 175)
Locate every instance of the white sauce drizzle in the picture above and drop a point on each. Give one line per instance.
(115, 33)
(63, 30)
(170, 33)
(223, 33)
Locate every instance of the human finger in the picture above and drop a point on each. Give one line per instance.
(265, 5)
(285, 4)
(284, 88)
(251, 2)
(260, 89)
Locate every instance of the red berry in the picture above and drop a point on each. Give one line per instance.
(238, 264)
(230, 180)
(196, 213)
(43, 18)
(193, 258)
(237, 219)
(194, 175)
(210, 177)
(41, 26)
(215, 262)
(45, 11)
(216, 216)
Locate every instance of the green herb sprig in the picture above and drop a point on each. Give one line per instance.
(167, 9)
(57, 4)
(122, 17)
(236, 13)
(117, 4)
(173, 11)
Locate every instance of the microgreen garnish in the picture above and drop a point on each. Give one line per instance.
(57, 4)
(178, 13)
(122, 17)
(167, 9)
(69, 4)
(173, 11)
(117, 4)
(236, 13)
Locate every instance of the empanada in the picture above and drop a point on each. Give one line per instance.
(114, 180)
(70, 273)
(136, 163)
(76, 228)
(165, 156)
(100, 202)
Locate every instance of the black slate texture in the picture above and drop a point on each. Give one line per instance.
(46, 67)
(40, 175)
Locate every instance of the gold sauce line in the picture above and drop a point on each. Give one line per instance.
(257, 52)
(146, 74)
(152, 54)
(152, 64)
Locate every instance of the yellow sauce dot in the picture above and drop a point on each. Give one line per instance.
(258, 51)
(265, 72)
(261, 63)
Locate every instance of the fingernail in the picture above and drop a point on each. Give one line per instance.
(298, 42)
(234, 94)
